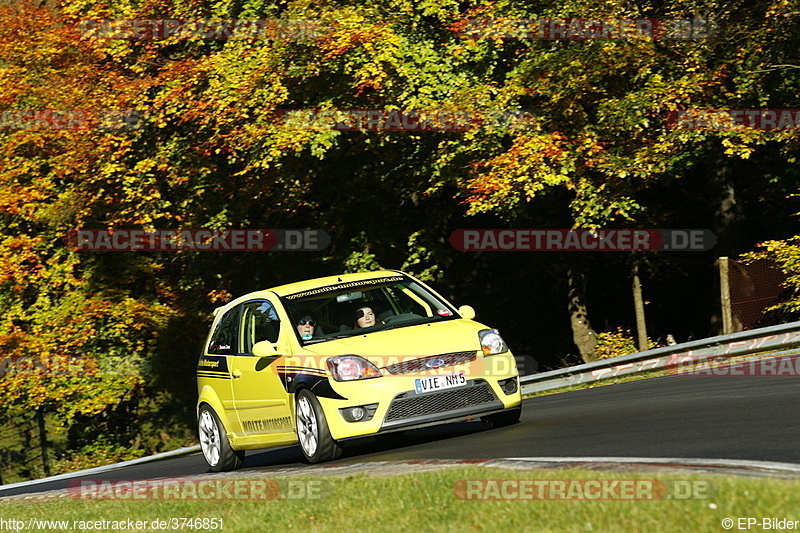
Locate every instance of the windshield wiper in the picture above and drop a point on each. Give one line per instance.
(414, 322)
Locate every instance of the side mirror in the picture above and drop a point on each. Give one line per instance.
(466, 312)
(266, 349)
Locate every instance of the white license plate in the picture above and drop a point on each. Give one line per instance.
(434, 383)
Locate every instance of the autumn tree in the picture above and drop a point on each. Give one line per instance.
(187, 131)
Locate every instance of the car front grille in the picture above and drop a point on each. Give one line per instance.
(419, 365)
(410, 404)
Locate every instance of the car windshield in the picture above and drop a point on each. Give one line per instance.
(355, 308)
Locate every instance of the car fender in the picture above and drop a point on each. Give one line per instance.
(209, 396)
(320, 386)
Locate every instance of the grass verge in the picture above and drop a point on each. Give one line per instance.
(429, 501)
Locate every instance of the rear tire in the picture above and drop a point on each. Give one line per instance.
(312, 430)
(217, 450)
(504, 418)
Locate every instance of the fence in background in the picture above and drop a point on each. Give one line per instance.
(23, 451)
(746, 291)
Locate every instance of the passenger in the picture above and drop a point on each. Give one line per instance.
(365, 318)
(305, 327)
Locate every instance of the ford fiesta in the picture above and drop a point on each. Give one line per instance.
(322, 361)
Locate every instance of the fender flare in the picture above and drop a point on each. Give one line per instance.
(320, 386)
(209, 396)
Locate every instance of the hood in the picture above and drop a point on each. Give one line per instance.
(425, 339)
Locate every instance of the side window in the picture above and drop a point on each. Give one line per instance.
(223, 341)
(259, 323)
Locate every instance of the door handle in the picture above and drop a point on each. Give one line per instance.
(236, 374)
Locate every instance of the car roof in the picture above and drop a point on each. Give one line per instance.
(300, 286)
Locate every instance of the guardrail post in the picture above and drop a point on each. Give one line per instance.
(725, 295)
(638, 304)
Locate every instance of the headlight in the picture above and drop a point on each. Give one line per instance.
(491, 342)
(351, 367)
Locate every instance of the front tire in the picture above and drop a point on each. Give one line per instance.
(312, 430)
(217, 450)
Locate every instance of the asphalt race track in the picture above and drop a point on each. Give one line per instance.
(730, 417)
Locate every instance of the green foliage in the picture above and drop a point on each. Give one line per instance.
(98, 453)
(421, 260)
(617, 342)
(786, 255)
(360, 259)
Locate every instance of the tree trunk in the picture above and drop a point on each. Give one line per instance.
(43, 441)
(725, 216)
(727, 210)
(583, 335)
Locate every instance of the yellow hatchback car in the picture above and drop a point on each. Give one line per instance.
(321, 361)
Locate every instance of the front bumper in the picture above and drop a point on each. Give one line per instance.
(410, 409)
(397, 406)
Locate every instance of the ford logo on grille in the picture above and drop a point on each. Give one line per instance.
(435, 363)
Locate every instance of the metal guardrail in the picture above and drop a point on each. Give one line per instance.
(675, 356)
(102, 469)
